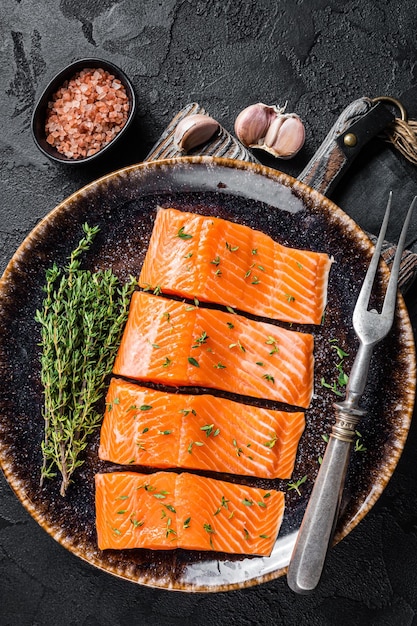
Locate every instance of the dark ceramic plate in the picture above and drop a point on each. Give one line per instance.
(123, 205)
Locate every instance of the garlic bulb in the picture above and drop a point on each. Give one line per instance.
(270, 129)
(194, 130)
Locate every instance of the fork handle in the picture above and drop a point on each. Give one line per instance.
(319, 522)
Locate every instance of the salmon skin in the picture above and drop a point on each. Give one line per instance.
(143, 426)
(170, 342)
(222, 262)
(164, 511)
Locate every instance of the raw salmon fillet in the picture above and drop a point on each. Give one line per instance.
(219, 261)
(143, 426)
(163, 511)
(170, 342)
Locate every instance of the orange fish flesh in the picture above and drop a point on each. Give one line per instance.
(219, 261)
(152, 428)
(170, 342)
(165, 510)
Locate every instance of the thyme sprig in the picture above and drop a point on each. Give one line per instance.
(82, 319)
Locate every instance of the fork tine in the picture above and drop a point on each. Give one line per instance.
(365, 292)
(391, 294)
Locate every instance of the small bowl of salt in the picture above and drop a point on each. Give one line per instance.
(83, 112)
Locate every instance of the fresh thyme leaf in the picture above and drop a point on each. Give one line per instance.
(81, 323)
(182, 235)
(296, 485)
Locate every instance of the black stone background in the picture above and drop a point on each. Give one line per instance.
(317, 55)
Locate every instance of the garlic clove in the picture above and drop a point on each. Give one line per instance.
(288, 139)
(251, 125)
(194, 130)
(269, 128)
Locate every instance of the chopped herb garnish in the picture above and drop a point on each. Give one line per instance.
(218, 272)
(167, 362)
(237, 448)
(170, 508)
(216, 260)
(239, 345)
(161, 495)
(136, 523)
(260, 363)
(359, 446)
(269, 378)
(211, 532)
(272, 441)
(145, 407)
(200, 340)
(169, 530)
(186, 523)
(219, 366)
(194, 443)
(296, 485)
(188, 256)
(196, 302)
(182, 235)
(231, 248)
(186, 412)
(264, 536)
(255, 280)
(289, 297)
(157, 290)
(122, 498)
(247, 502)
(245, 534)
(165, 432)
(193, 361)
(230, 309)
(121, 512)
(254, 250)
(230, 325)
(272, 342)
(223, 504)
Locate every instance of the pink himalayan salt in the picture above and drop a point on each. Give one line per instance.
(86, 113)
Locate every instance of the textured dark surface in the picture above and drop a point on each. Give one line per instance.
(318, 56)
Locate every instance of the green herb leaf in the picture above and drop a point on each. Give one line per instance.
(81, 321)
(182, 235)
(296, 485)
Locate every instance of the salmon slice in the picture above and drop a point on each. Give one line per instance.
(219, 261)
(170, 342)
(164, 511)
(143, 426)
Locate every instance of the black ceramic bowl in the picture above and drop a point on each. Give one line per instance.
(39, 113)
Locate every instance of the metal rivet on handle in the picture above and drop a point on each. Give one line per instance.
(350, 140)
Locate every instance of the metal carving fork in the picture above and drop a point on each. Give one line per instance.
(318, 525)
